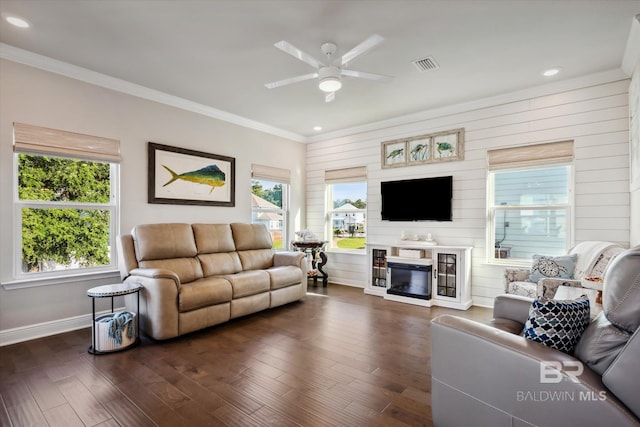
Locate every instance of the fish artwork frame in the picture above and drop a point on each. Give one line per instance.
(428, 148)
(181, 176)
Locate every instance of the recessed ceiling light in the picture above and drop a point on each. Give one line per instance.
(18, 22)
(551, 72)
(317, 128)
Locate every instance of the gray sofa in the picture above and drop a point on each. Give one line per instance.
(489, 374)
(199, 275)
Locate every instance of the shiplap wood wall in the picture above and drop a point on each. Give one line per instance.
(596, 117)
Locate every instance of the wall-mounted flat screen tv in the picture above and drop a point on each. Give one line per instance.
(422, 199)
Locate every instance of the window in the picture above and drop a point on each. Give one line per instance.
(65, 202)
(270, 201)
(347, 212)
(530, 203)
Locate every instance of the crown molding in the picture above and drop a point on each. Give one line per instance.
(25, 57)
(46, 63)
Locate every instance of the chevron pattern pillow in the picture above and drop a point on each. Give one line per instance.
(558, 323)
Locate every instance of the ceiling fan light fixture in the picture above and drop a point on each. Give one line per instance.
(329, 79)
(330, 84)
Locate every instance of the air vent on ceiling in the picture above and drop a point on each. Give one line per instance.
(426, 64)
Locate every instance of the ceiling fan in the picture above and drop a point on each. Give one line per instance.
(329, 73)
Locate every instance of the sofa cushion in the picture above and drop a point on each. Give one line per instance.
(621, 295)
(557, 324)
(559, 267)
(251, 236)
(187, 269)
(248, 283)
(258, 259)
(204, 292)
(284, 276)
(219, 264)
(213, 238)
(163, 241)
(600, 344)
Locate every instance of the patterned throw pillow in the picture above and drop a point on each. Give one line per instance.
(557, 324)
(560, 267)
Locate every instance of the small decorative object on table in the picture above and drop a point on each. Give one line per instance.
(318, 259)
(114, 331)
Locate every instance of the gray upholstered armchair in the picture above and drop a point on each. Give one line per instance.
(491, 375)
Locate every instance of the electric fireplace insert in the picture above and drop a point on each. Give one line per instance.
(410, 280)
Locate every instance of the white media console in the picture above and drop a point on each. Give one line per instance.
(421, 273)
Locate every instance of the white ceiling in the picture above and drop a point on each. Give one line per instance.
(220, 53)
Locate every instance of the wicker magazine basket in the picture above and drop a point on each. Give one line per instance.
(102, 340)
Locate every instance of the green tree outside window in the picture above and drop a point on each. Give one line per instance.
(64, 212)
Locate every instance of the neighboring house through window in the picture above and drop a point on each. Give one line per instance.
(66, 202)
(530, 203)
(270, 201)
(347, 210)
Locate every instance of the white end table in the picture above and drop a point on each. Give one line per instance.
(112, 291)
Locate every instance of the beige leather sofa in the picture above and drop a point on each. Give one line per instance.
(199, 275)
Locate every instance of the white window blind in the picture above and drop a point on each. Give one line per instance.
(358, 173)
(30, 139)
(271, 173)
(530, 155)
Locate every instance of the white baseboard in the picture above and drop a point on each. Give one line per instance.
(45, 329)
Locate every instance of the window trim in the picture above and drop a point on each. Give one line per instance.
(330, 210)
(284, 211)
(569, 208)
(22, 279)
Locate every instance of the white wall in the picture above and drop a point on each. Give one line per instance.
(634, 123)
(37, 97)
(592, 113)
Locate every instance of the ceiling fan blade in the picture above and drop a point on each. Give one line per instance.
(368, 76)
(330, 97)
(363, 47)
(290, 80)
(297, 53)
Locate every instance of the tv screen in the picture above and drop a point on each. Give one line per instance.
(423, 199)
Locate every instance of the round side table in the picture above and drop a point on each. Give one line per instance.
(111, 291)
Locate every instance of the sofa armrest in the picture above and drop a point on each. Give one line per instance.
(512, 307)
(490, 376)
(548, 287)
(158, 301)
(297, 259)
(515, 275)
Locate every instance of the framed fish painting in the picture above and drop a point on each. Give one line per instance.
(187, 177)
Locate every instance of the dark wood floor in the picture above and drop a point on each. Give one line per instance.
(338, 357)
